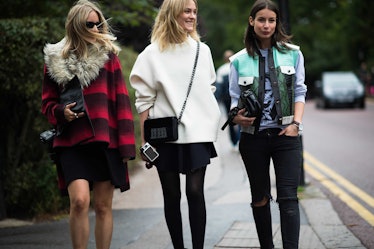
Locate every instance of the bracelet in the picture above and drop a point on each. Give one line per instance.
(296, 123)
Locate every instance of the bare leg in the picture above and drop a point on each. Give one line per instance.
(103, 196)
(79, 193)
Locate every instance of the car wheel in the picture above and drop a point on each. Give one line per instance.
(362, 104)
(324, 104)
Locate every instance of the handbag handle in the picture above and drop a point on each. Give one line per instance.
(191, 80)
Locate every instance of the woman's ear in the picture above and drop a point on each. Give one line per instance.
(251, 21)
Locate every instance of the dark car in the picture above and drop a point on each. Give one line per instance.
(339, 89)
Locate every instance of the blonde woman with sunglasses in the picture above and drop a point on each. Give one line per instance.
(94, 143)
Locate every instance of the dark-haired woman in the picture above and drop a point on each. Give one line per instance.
(274, 70)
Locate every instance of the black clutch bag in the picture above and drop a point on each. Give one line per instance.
(72, 92)
(160, 130)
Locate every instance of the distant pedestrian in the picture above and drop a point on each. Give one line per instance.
(371, 79)
(95, 139)
(222, 93)
(161, 77)
(364, 75)
(274, 70)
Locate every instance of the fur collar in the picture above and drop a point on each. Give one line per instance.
(63, 70)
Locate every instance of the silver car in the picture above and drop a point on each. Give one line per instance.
(339, 89)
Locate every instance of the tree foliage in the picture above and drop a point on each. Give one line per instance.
(27, 177)
(333, 34)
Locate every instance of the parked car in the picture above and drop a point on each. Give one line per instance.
(339, 89)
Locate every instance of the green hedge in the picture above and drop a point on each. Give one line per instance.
(28, 177)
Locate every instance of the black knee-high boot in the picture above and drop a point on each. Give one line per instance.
(262, 217)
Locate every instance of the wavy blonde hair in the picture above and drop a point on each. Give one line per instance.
(78, 35)
(166, 30)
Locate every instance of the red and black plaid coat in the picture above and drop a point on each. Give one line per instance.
(107, 106)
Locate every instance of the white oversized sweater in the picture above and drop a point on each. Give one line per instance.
(161, 81)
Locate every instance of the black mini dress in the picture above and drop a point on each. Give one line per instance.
(94, 163)
(184, 158)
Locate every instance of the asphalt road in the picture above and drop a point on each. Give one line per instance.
(339, 143)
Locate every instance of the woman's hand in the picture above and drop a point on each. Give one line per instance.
(242, 120)
(148, 164)
(290, 130)
(69, 114)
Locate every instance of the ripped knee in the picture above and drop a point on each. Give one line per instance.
(265, 201)
(289, 206)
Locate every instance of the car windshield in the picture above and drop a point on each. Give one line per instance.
(337, 81)
(337, 84)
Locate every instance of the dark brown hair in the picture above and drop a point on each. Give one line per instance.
(279, 37)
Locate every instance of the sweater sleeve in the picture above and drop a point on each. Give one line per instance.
(300, 87)
(142, 80)
(234, 86)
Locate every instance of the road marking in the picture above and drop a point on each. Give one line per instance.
(341, 194)
(335, 189)
(341, 180)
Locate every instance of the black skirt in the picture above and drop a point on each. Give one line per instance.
(94, 163)
(184, 158)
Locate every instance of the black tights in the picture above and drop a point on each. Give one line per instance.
(170, 183)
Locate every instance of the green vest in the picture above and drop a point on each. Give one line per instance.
(282, 76)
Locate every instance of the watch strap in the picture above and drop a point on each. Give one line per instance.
(296, 123)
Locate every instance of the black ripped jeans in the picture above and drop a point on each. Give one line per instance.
(285, 152)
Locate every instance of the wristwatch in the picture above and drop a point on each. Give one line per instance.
(298, 125)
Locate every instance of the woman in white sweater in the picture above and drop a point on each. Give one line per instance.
(161, 77)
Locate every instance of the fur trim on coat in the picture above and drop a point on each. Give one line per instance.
(62, 70)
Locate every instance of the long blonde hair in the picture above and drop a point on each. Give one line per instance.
(166, 30)
(77, 34)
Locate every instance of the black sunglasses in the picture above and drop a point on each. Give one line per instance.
(90, 25)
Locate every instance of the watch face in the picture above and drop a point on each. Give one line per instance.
(301, 127)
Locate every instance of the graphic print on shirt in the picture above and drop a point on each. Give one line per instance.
(269, 114)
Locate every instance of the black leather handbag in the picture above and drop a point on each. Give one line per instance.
(160, 130)
(72, 92)
(248, 100)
